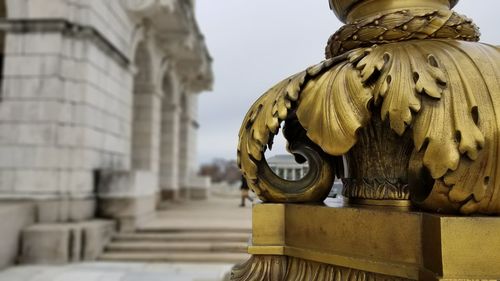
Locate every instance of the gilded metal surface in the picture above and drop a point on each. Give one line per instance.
(378, 164)
(387, 241)
(412, 102)
(415, 115)
(262, 123)
(281, 268)
(402, 25)
(343, 8)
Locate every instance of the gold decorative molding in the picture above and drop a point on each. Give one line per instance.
(283, 268)
(344, 8)
(402, 25)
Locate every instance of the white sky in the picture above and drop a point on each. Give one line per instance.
(257, 43)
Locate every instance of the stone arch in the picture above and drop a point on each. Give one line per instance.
(136, 39)
(142, 152)
(144, 63)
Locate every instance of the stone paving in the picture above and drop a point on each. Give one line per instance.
(101, 271)
(215, 212)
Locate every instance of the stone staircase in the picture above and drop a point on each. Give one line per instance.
(182, 244)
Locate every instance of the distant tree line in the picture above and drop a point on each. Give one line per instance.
(222, 170)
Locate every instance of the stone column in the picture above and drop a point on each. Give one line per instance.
(192, 185)
(170, 151)
(184, 136)
(146, 128)
(130, 196)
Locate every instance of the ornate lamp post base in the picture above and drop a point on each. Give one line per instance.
(411, 100)
(339, 242)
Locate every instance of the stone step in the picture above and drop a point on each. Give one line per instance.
(194, 229)
(184, 236)
(194, 257)
(182, 247)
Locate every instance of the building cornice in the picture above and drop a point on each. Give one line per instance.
(67, 28)
(174, 26)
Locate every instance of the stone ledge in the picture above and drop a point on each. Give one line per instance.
(129, 212)
(16, 216)
(64, 243)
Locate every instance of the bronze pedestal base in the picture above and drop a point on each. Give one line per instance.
(333, 241)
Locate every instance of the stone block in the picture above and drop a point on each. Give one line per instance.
(38, 181)
(95, 236)
(43, 65)
(9, 133)
(42, 43)
(48, 244)
(120, 184)
(127, 196)
(128, 212)
(16, 216)
(32, 88)
(14, 43)
(37, 134)
(82, 181)
(63, 243)
(198, 187)
(74, 48)
(53, 9)
(76, 210)
(70, 135)
(198, 194)
(7, 179)
(169, 194)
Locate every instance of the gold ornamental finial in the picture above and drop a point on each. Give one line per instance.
(349, 11)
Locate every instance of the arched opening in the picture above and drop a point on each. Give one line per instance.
(142, 122)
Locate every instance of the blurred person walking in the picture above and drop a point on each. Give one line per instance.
(244, 192)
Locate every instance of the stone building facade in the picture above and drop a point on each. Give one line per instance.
(286, 167)
(98, 110)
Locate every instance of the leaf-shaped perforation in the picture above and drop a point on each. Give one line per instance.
(464, 124)
(433, 131)
(467, 80)
(333, 106)
(371, 63)
(397, 74)
(429, 77)
(446, 126)
(398, 91)
(475, 183)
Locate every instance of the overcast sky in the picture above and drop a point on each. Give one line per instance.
(257, 43)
